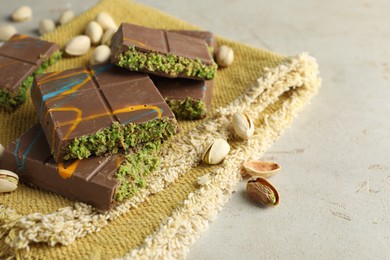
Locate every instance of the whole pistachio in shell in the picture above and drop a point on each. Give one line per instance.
(243, 125)
(8, 181)
(260, 168)
(216, 151)
(262, 191)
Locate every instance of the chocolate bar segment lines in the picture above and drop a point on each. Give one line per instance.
(161, 52)
(76, 105)
(21, 58)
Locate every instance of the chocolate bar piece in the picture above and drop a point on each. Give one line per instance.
(21, 58)
(188, 98)
(99, 181)
(161, 52)
(99, 110)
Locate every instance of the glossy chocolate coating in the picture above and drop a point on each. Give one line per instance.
(165, 42)
(20, 57)
(208, 37)
(90, 180)
(82, 101)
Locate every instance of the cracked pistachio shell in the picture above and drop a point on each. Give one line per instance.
(260, 168)
(8, 181)
(260, 190)
(243, 125)
(216, 151)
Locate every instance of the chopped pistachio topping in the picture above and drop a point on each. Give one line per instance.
(169, 64)
(135, 168)
(120, 137)
(188, 108)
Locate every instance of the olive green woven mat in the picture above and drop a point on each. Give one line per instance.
(271, 87)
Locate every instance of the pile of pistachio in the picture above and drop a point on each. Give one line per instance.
(258, 188)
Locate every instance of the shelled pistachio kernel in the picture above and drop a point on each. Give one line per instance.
(22, 14)
(78, 45)
(100, 54)
(224, 56)
(216, 151)
(6, 32)
(66, 17)
(94, 31)
(105, 20)
(8, 181)
(46, 25)
(243, 125)
(260, 190)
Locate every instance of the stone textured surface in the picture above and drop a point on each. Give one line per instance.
(335, 178)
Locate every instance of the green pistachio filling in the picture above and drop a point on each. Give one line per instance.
(10, 101)
(135, 168)
(169, 64)
(188, 108)
(120, 137)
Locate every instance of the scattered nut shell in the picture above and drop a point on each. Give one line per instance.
(8, 181)
(216, 151)
(262, 191)
(46, 25)
(6, 32)
(243, 125)
(66, 17)
(94, 31)
(106, 21)
(1, 150)
(260, 168)
(22, 14)
(106, 39)
(78, 45)
(224, 56)
(100, 55)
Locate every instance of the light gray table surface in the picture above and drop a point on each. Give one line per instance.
(335, 181)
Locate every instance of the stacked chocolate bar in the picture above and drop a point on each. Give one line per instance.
(102, 127)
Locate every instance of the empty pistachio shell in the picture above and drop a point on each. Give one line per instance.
(216, 151)
(106, 39)
(262, 169)
(46, 25)
(224, 56)
(100, 55)
(66, 17)
(1, 150)
(6, 32)
(243, 125)
(21, 14)
(8, 181)
(94, 31)
(78, 45)
(105, 20)
(262, 191)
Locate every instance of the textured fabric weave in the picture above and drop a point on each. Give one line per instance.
(141, 228)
